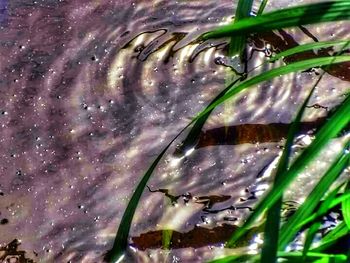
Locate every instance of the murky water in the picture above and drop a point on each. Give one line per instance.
(90, 93)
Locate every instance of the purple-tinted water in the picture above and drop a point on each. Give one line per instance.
(90, 93)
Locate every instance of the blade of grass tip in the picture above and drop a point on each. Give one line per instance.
(262, 7)
(307, 47)
(289, 17)
(121, 240)
(336, 123)
(272, 225)
(268, 75)
(288, 230)
(333, 236)
(345, 207)
(237, 43)
(316, 225)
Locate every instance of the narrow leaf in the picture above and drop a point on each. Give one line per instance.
(288, 231)
(272, 225)
(121, 239)
(265, 76)
(289, 17)
(237, 43)
(262, 7)
(316, 225)
(323, 210)
(332, 237)
(307, 47)
(345, 206)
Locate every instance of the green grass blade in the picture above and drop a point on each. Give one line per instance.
(289, 17)
(323, 210)
(232, 90)
(121, 239)
(330, 199)
(293, 67)
(298, 256)
(345, 206)
(262, 7)
(166, 238)
(272, 225)
(290, 256)
(307, 47)
(288, 230)
(336, 123)
(230, 259)
(271, 233)
(193, 135)
(309, 238)
(316, 225)
(237, 43)
(339, 231)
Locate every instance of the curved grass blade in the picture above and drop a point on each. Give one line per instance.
(293, 67)
(272, 225)
(312, 231)
(316, 225)
(121, 239)
(120, 243)
(289, 17)
(307, 47)
(312, 256)
(345, 206)
(336, 123)
(191, 139)
(288, 230)
(323, 210)
(338, 232)
(290, 256)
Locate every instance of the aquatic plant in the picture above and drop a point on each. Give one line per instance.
(320, 201)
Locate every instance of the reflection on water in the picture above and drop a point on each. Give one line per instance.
(90, 93)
